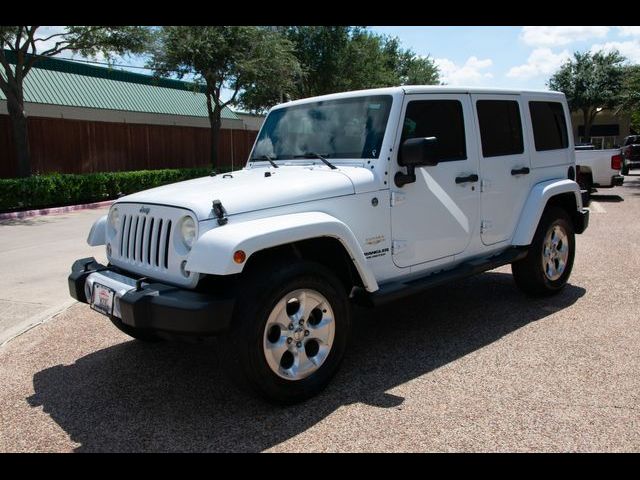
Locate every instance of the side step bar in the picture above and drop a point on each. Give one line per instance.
(396, 290)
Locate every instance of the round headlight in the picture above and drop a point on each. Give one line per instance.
(114, 216)
(188, 231)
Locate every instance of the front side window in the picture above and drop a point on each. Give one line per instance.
(442, 119)
(549, 125)
(344, 128)
(500, 127)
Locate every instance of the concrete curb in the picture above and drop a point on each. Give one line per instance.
(54, 210)
(38, 319)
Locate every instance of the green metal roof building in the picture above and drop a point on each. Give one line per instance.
(55, 82)
(85, 118)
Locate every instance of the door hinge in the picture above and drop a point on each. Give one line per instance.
(485, 225)
(398, 246)
(397, 198)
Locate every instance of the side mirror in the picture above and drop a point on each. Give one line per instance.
(418, 152)
(415, 152)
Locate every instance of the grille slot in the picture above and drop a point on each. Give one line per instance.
(166, 249)
(158, 241)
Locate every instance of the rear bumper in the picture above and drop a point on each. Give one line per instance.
(617, 180)
(153, 306)
(581, 220)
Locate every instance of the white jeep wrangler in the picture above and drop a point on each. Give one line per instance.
(363, 197)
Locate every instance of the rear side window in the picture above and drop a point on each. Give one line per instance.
(549, 126)
(442, 119)
(500, 127)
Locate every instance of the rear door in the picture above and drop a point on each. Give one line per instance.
(504, 164)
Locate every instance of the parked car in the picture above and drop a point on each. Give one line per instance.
(360, 197)
(630, 153)
(597, 169)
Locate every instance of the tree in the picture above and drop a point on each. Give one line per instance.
(341, 58)
(591, 83)
(22, 46)
(630, 97)
(236, 57)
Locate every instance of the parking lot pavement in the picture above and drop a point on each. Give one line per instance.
(35, 259)
(470, 366)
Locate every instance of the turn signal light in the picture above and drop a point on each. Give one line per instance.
(239, 256)
(616, 162)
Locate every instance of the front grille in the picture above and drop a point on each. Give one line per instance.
(145, 240)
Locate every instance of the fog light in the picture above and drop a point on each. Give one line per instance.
(183, 269)
(239, 256)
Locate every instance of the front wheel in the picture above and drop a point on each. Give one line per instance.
(289, 334)
(547, 266)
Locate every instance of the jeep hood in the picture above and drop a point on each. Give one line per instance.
(256, 189)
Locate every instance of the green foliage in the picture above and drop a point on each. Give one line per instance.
(56, 189)
(591, 82)
(630, 97)
(253, 61)
(86, 40)
(342, 58)
(236, 57)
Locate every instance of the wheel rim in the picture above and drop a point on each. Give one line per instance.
(299, 334)
(555, 252)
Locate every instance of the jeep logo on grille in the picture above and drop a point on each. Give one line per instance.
(145, 210)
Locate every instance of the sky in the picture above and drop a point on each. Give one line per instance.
(510, 57)
(497, 56)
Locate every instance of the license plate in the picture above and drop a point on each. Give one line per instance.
(102, 299)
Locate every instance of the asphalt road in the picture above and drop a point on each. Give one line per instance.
(35, 259)
(471, 366)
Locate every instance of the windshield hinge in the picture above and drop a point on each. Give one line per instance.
(219, 212)
(397, 198)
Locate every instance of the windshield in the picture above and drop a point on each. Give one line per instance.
(345, 128)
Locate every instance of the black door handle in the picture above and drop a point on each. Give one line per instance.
(468, 178)
(520, 171)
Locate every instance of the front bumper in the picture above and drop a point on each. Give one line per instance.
(153, 306)
(581, 220)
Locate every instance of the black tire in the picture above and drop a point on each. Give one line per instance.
(142, 335)
(241, 349)
(529, 273)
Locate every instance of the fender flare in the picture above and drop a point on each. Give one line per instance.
(98, 233)
(213, 251)
(536, 203)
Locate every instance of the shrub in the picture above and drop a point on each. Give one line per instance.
(40, 191)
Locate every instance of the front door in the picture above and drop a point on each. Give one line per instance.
(504, 165)
(435, 216)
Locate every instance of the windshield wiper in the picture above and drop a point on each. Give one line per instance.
(318, 156)
(267, 158)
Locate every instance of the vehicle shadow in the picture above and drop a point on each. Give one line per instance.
(606, 198)
(174, 397)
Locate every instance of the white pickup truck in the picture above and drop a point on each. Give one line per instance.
(359, 197)
(598, 169)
